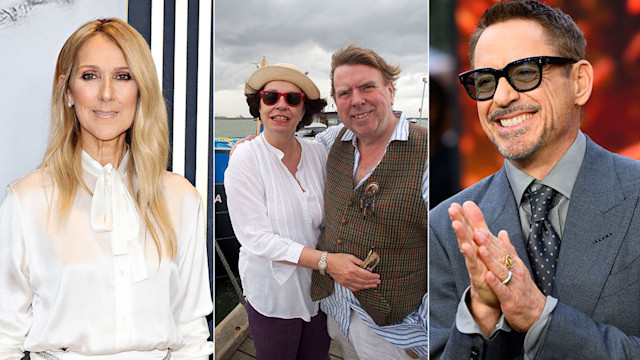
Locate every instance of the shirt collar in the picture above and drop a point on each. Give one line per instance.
(277, 152)
(95, 168)
(400, 133)
(562, 176)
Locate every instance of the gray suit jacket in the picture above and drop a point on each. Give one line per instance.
(598, 276)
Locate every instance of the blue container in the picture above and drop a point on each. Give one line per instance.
(222, 147)
(224, 234)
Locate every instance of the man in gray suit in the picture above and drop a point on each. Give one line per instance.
(561, 279)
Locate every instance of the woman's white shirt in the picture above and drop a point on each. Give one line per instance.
(72, 290)
(274, 216)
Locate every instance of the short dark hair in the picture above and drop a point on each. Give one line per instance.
(565, 36)
(353, 54)
(311, 107)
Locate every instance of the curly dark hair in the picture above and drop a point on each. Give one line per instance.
(311, 107)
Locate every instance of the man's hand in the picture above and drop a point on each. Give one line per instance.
(345, 269)
(484, 305)
(246, 138)
(520, 299)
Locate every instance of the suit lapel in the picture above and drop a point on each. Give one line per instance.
(597, 221)
(501, 213)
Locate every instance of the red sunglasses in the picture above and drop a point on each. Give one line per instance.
(272, 97)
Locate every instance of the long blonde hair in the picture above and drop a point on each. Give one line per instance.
(148, 137)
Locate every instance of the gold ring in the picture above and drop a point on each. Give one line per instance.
(508, 261)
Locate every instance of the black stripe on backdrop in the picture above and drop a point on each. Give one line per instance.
(192, 91)
(210, 177)
(210, 169)
(168, 58)
(139, 16)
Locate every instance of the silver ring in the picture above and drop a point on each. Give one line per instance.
(506, 281)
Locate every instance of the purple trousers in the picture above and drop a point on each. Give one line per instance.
(289, 339)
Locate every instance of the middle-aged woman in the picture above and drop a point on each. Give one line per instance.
(103, 251)
(274, 186)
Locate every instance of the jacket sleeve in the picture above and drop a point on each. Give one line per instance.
(446, 288)
(589, 339)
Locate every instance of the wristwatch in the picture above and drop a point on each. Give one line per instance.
(322, 264)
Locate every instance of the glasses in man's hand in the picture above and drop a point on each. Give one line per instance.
(371, 261)
(522, 75)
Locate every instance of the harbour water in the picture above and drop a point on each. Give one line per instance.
(231, 127)
(226, 297)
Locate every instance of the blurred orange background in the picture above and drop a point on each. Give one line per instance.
(612, 115)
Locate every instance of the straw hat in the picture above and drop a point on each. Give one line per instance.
(284, 72)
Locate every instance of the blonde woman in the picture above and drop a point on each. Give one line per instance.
(103, 249)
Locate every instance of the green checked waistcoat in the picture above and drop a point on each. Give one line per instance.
(396, 226)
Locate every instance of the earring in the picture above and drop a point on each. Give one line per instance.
(69, 104)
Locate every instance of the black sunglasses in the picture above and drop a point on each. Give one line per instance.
(522, 75)
(272, 97)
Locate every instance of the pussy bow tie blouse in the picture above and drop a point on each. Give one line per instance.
(93, 284)
(114, 211)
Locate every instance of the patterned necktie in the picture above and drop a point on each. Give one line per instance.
(544, 243)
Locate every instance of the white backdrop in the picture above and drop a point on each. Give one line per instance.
(30, 38)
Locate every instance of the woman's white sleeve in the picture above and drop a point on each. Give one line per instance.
(248, 210)
(16, 298)
(196, 301)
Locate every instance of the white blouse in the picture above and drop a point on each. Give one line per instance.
(274, 216)
(93, 284)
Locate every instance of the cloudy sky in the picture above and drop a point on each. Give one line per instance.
(306, 33)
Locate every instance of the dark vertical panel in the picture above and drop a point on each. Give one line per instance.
(139, 16)
(168, 66)
(211, 165)
(192, 91)
(210, 193)
(210, 177)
